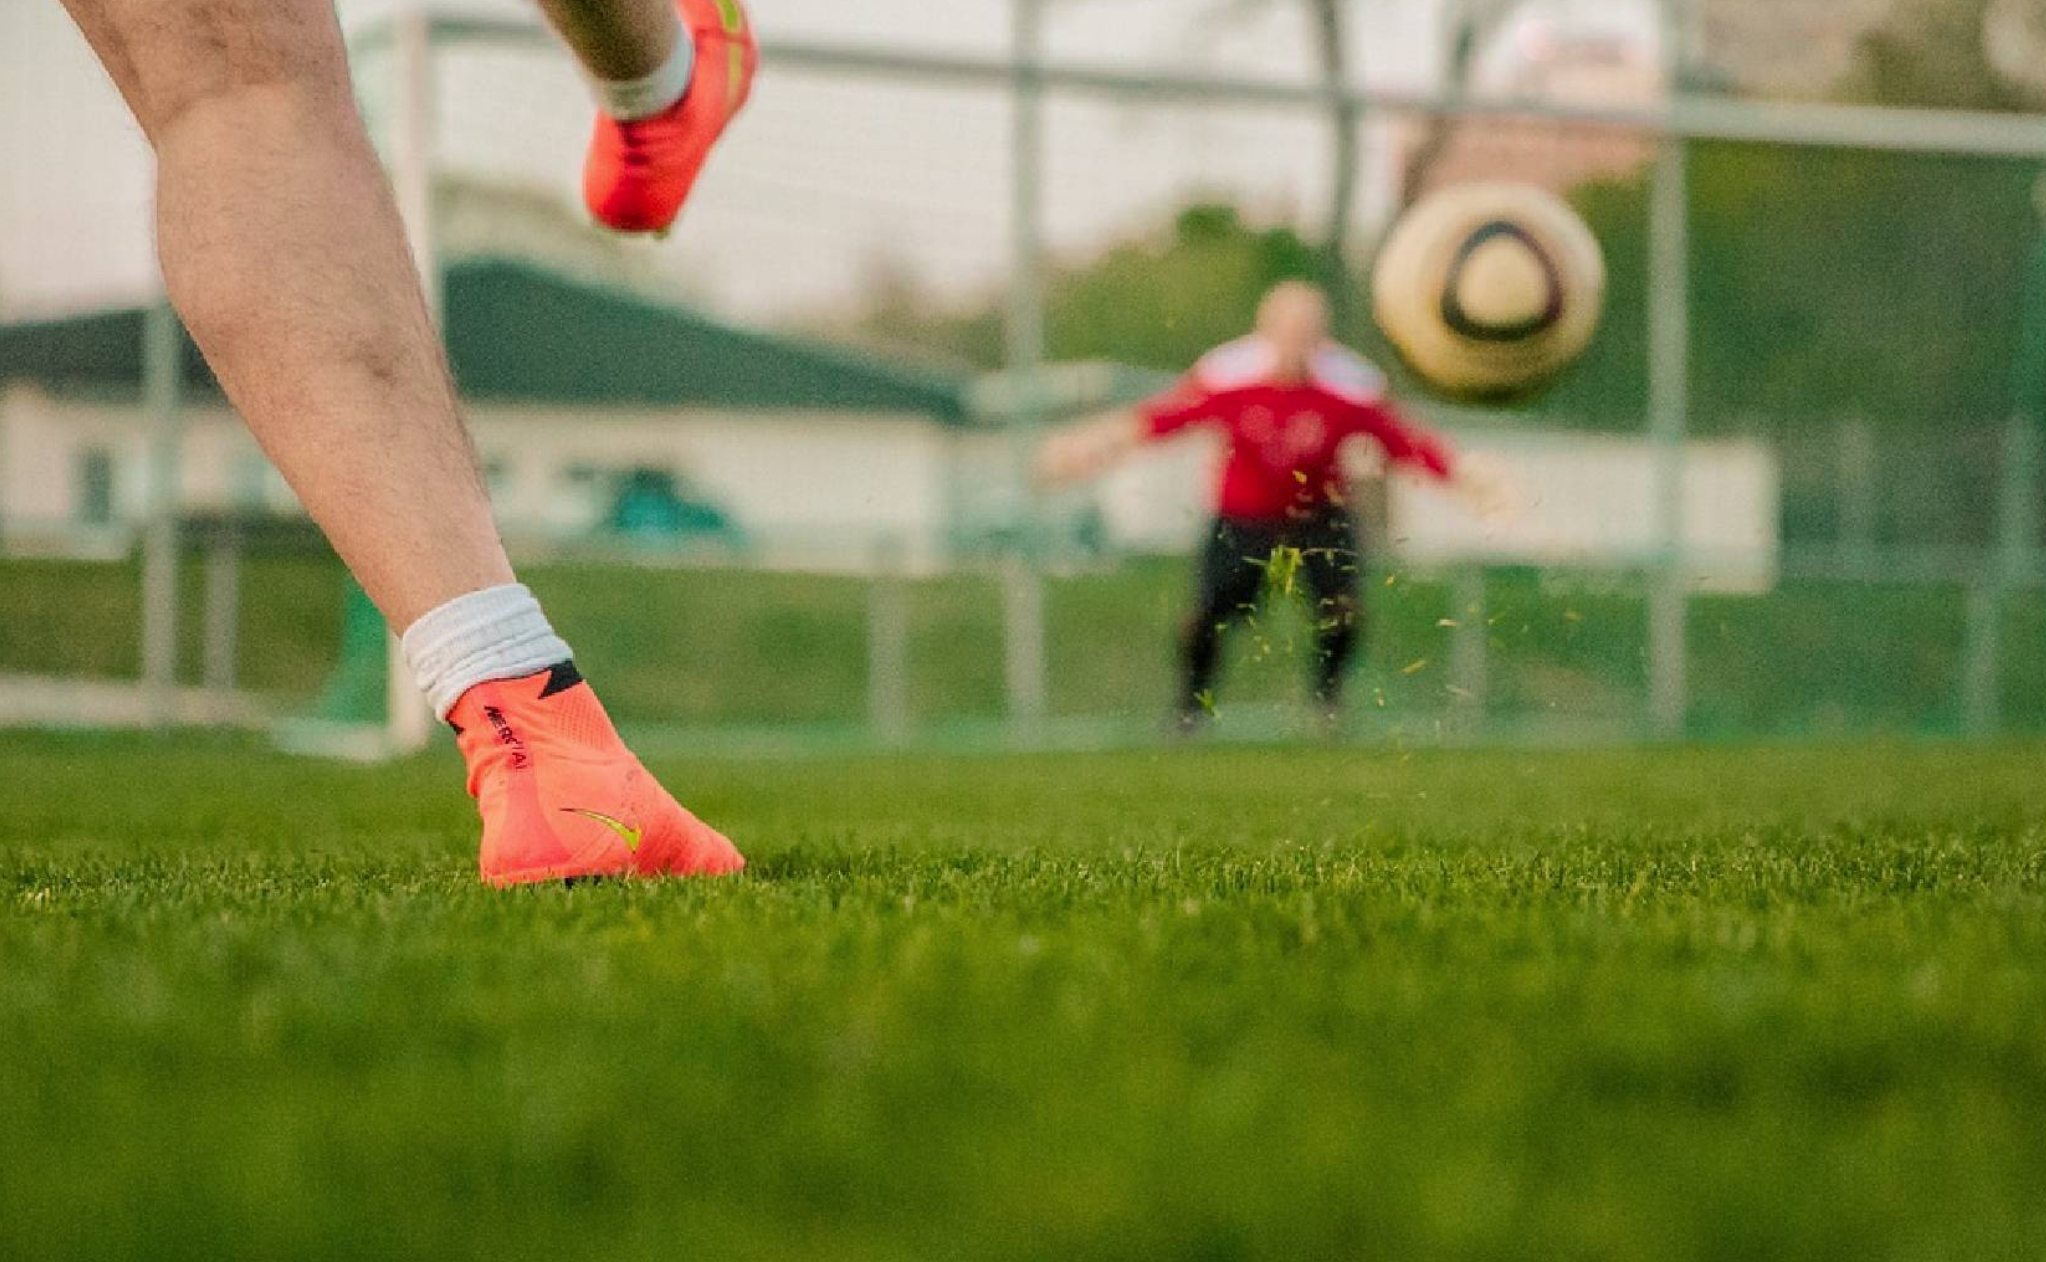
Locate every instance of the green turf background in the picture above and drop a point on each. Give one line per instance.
(710, 647)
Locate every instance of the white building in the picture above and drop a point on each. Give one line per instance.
(597, 414)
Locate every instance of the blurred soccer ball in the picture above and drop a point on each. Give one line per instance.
(1490, 289)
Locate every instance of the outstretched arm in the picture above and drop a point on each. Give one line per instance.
(1407, 442)
(1083, 452)
(1093, 448)
(1480, 482)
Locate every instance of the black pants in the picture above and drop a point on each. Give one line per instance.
(1316, 556)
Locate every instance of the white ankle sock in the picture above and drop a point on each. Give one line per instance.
(497, 633)
(628, 99)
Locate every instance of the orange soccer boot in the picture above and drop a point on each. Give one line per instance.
(639, 172)
(561, 796)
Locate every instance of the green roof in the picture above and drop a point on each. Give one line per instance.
(519, 333)
(97, 351)
(1063, 391)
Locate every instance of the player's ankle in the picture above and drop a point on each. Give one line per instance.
(482, 637)
(628, 100)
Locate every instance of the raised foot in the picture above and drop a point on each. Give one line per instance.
(639, 173)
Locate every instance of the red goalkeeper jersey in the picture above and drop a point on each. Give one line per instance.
(1285, 439)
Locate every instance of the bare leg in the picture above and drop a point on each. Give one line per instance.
(282, 249)
(615, 39)
(284, 253)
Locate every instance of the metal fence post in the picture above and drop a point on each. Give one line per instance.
(1981, 682)
(1023, 610)
(1668, 389)
(1468, 651)
(1023, 585)
(163, 375)
(2008, 564)
(1859, 480)
(888, 645)
(223, 610)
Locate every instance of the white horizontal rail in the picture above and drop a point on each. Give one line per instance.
(1693, 117)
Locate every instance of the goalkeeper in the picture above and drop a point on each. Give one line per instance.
(1287, 400)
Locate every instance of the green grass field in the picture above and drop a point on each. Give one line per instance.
(1216, 1004)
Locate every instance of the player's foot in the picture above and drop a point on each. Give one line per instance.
(561, 796)
(640, 172)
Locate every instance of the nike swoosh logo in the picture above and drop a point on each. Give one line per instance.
(630, 834)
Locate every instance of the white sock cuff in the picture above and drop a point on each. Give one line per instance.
(629, 99)
(497, 633)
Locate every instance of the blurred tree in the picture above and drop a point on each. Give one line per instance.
(897, 317)
(1829, 283)
(1157, 299)
(1160, 302)
(1935, 54)
(1825, 284)
(1468, 24)
(1329, 29)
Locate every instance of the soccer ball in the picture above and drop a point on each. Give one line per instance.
(1489, 289)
